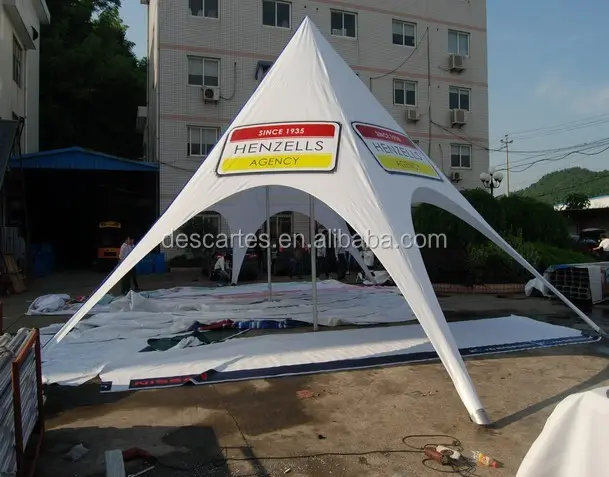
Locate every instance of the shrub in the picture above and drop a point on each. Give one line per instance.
(535, 220)
(550, 255)
(429, 219)
(487, 263)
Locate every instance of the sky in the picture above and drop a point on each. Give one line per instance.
(548, 82)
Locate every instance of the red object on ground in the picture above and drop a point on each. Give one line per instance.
(136, 453)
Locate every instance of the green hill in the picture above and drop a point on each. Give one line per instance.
(554, 187)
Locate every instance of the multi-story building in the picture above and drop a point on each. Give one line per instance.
(425, 61)
(20, 22)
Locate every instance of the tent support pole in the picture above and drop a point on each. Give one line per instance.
(313, 260)
(268, 237)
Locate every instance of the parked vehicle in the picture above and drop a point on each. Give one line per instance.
(110, 237)
(588, 239)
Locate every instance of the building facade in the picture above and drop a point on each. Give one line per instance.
(424, 60)
(20, 22)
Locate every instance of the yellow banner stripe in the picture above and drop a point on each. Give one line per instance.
(407, 165)
(282, 161)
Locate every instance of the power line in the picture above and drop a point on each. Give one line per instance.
(583, 152)
(537, 152)
(564, 126)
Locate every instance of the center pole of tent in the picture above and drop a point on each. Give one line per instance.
(268, 237)
(312, 232)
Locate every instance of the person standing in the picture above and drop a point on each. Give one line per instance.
(341, 258)
(603, 248)
(126, 249)
(221, 269)
(320, 251)
(296, 260)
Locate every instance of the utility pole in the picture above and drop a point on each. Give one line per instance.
(507, 143)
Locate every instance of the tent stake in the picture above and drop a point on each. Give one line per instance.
(313, 259)
(268, 237)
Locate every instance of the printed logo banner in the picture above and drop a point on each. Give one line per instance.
(395, 152)
(282, 147)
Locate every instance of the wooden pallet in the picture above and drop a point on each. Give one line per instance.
(14, 273)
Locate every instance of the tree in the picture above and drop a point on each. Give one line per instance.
(91, 83)
(577, 201)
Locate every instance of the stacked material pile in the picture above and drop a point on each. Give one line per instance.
(10, 348)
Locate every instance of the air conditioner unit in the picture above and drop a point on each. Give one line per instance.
(412, 115)
(456, 177)
(211, 93)
(457, 63)
(457, 117)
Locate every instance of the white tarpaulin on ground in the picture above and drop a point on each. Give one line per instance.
(312, 125)
(111, 347)
(573, 440)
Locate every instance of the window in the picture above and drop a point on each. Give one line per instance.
(204, 8)
(458, 43)
(404, 33)
(262, 69)
(343, 24)
(210, 223)
(276, 14)
(404, 92)
(460, 156)
(203, 71)
(458, 98)
(281, 224)
(201, 140)
(17, 62)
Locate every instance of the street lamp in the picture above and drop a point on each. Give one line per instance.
(491, 179)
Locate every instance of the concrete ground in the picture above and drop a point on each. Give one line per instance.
(348, 424)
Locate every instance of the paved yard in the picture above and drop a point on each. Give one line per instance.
(346, 420)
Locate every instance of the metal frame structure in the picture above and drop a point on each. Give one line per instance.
(27, 402)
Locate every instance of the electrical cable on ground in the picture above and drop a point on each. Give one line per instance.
(463, 467)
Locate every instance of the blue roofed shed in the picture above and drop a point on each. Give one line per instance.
(77, 158)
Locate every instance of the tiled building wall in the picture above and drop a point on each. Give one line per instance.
(238, 41)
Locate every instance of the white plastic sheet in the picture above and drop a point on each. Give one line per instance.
(574, 439)
(101, 351)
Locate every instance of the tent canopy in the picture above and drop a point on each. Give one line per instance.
(312, 125)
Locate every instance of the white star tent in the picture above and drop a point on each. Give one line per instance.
(312, 125)
(246, 211)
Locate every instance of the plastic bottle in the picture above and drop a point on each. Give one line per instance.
(487, 460)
